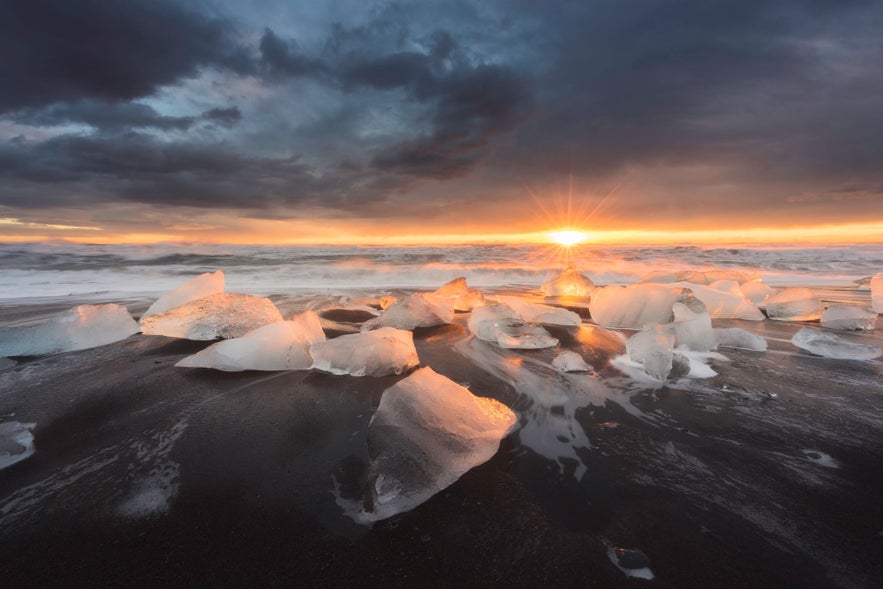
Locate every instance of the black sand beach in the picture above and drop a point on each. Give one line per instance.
(147, 475)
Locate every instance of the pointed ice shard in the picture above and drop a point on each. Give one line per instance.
(568, 283)
(371, 353)
(220, 315)
(416, 310)
(829, 345)
(461, 297)
(196, 288)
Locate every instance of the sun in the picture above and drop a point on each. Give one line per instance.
(567, 237)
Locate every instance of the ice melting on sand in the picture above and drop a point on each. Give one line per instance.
(692, 329)
(568, 283)
(284, 345)
(426, 433)
(86, 326)
(461, 297)
(829, 345)
(483, 320)
(202, 286)
(633, 563)
(849, 318)
(372, 353)
(653, 348)
(634, 306)
(515, 334)
(736, 337)
(568, 361)
(728, 303)
(877, 293)
(16, 442)
(416, 310)
(793, 304)
(221, 315)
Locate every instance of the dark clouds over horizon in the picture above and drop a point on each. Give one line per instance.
(269, 109)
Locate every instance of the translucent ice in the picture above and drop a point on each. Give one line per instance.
(692, 329)
(877, 293)
(284, 345)
(634, 306)
(483, 320)
(515, 334)
(16, 442)
(633, 563)
(757, 292)
(426, 433)
(416, 310)
(568, 361)
(653, 348)
(458, 293)
(793, 304)
(221, 315)
(724, 304)
(86, 326)
(371, 353)
(829, 345)
(202, 286)
(568, 283)
(736, 337)
(536, 313)
(848, 317)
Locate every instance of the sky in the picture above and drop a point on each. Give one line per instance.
(269, 121)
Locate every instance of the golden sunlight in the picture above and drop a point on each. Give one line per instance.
(567, 237)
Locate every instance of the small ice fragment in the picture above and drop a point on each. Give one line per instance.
(426, 433)
(877, 293)
(514, 334)
(221, 315)
(736, 337)
(194, 289)
(568, 361)
(829, 345)
(416, 310)
(483, 320)
(634, 306)
(848, 317)
(793, 304)
(284, 345)
(80, 328)
(536, 313)
(16, 442)
(692, 330)
(653, 348)
(458, 293)
(821, 458)
(633, 563)
(568, 283)
(371, 353)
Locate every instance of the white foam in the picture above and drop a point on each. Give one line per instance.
(16, 442)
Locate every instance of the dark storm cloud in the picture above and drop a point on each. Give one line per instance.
(58, 50)
(284, 58)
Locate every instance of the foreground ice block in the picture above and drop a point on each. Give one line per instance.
(202, 286)
(654, 349)
(848, 317)
(483, 320)
(536, 313)
(460, 296)
(692, 330)
(379, 352)
(634, 306)
(426, 433)
(416, 310)
(794, 304)
(724, 304)
(284, 345)
(568, 283)
(80, 328)
(736, 337)
(221, 315)
(568, 361)
(829, 345)
(877, 293)
(16, 442)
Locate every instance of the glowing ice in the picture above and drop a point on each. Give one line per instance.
(757, 292)
(736, 337)
(461, 297)
(483, 320)
(371, 353)
(877, 293)
(692, 329)
(16, 442)
(220, 315)
(653, 348)
(202, 286)
(514, 334)
(568, 361)
(536, 313)
(568, 283)
(416, 310)
(724, 304)
(388, 301)
(86, 326)
(427, 432)
(793, 304)
(848, 317)
(636, 305)
(829, 345)
(284, 345)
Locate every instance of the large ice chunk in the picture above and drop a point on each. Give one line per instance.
(483, 320)
(196, 288)
(426, 433)
(829, 345)
(372, 353)
(849, 317)
(793, 304)
(416, 310)
(86, 326)
(568, 361)
(461, 297)
(653, 348)
(284, 345)
(736, 337)
(877, 293)
(536, 313)
(221, 315)
(568, 283)
(692, 330)
(724, 304)
(16, 442)
(515, 334)
(636, 305)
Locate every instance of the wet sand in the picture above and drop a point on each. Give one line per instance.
(767, 475)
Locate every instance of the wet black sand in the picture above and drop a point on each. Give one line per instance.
(722, 482)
